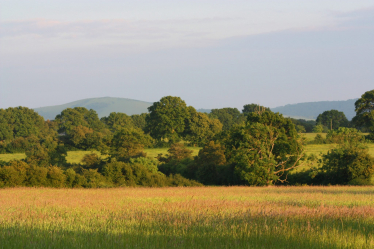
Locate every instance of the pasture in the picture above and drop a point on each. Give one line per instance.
(204, 217)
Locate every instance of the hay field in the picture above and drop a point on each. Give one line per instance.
(205, 217)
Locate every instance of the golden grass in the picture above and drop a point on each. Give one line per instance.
(205, 217)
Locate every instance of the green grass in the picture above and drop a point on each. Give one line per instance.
(311, 136)
(205, 217)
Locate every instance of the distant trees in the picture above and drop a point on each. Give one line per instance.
(253, 108)
(332, 119)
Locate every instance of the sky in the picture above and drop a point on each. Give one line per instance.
(211, 53)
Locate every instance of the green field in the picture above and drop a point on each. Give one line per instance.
(76, 156)
(199, 217)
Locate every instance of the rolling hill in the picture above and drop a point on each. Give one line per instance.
(103, 106)
(310, 110)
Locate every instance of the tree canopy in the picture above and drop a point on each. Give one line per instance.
(166, 119)
(332, 119)
(265, 149)
(253, 108)
(364, 108)
(228, 117)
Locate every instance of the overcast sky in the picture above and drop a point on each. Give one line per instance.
(211, 53)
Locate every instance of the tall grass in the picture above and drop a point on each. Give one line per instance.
(208, 217)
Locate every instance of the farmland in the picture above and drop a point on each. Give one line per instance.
(205, 217)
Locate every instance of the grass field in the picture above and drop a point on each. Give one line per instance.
(76, 156)
(205, 217)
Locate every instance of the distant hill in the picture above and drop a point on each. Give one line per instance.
(310, 110)
(103, 106)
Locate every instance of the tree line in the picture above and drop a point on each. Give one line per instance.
(252, 147)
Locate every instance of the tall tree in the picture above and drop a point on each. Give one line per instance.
(117, 120)
(200, 129)
(228, 117)
(364, 108)
(332, 119)
(166, 119)
(265, 149)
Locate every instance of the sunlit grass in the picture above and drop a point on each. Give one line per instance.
(206, 217)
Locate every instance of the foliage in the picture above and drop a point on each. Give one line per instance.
(200, 128)
(229, 117)
(344, 135)
(22, 122)
(116, 121)
(82, 128)
(129, 143)
(347, 163)
(332, 119)
(307, 125)
(364, 108)
(254, 108)
(139, 121)
(265, 149)
(211, 165)
(319, 128)
(166, 119)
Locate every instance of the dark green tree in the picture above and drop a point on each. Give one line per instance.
(166, 119)
(332, 119)
(139, 120)
(254, 108)
(116, 121)
(129, 143)
(22, 122)
(82, 129)
(364, 108)
(200, 128)
(228, 117)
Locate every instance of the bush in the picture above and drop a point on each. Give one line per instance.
(347, 164)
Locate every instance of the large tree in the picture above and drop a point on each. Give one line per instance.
(228, 117)
(364, 108)
(82, 127)
(117, 120)
(332, 119)
(22, 122)
(265, 149)
(200, 129)
(167, 118)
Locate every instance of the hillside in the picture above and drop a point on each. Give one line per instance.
(103, 106)
(310, 110)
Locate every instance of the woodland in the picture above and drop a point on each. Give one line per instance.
(251, 147)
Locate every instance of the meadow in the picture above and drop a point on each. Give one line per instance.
(204, 217)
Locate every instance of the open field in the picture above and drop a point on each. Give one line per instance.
(76, 156)
(206, 217)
